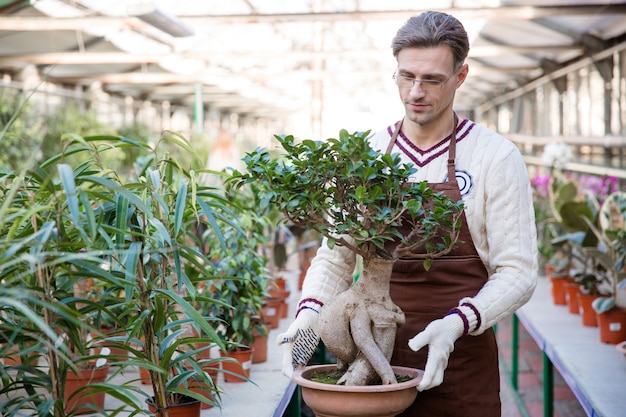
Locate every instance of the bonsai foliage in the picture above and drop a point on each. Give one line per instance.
(352, 194)
(359, 198)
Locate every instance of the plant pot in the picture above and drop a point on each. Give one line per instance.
(302, 275)
(328, 400)
(14, 358)
(260, 348)
(81, 382)
(559, 296)
(271, 311)
(191, 408)
(571, 293)
(282, 295)
(203, 389)
(144, 376)
(239, 369)
(587, 314)
(612, 325)
(117, 353)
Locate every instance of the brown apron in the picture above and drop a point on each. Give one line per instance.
(471, 383)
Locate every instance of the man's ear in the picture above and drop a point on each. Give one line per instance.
(462, 75)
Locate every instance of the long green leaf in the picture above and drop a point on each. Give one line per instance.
(179, 212)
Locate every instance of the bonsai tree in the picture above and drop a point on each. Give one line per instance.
(358, 198)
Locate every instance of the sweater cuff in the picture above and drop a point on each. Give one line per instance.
(472, 315)
(309, 304)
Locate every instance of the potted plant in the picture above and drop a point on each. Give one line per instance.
(610, 255)
(358, 198)
(571, 211)
(240, 291)
(130, 236)
(44, 255)
(159, 262)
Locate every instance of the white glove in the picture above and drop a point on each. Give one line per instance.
(299, 341)
(440, 336)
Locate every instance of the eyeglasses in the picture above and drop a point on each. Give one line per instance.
(427, 85)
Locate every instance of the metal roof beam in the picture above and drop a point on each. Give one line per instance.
(23, 23)
(87, 58)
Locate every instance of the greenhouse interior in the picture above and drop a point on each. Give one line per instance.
(146, 239)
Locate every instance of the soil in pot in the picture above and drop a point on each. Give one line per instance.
(77, 393)
(239, 369)
(185, 407)
(331, 400)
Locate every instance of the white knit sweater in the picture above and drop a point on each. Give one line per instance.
(496, 192)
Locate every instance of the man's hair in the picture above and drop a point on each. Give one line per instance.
(430, 30)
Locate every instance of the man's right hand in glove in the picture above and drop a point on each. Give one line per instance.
(299, 341)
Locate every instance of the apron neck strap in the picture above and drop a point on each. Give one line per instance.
(451, 147)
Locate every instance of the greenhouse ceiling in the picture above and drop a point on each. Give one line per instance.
(321, 59)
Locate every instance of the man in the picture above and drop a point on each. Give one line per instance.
(450, 308)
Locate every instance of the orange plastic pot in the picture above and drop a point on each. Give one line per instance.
(239, 369)
(191, 408)
(559, 296)
(588, 315)
(77, 393)
(571, 292)
(612, 325)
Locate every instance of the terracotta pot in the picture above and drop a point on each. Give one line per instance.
(117, 353)
(587, 314)
(549, 269)
(571, 294)
(303, 272)
(238, 370)
(144, 376)
(558, 290)
(80, 382)
(612, 326)
(282, 295)
(203, 389)
(192, 408)
(13, 358)
(271, 311)
(260, 348)
(363, 401)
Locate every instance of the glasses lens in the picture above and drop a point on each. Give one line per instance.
(426, 85)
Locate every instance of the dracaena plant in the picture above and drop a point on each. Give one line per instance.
(65, 225)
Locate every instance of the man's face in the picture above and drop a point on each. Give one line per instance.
(426, 101)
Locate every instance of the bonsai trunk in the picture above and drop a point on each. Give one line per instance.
(360, 326)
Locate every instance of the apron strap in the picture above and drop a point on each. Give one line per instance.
(451, 146)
